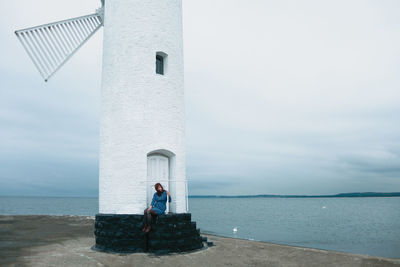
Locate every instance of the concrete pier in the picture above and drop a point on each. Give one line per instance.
(42, 240)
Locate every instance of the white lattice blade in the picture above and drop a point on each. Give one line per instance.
(49, 46)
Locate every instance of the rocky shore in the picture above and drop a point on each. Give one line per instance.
(43, 240)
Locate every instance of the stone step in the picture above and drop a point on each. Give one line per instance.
(169, 233)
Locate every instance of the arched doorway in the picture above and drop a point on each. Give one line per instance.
(157, 172)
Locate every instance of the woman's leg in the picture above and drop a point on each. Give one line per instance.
(148, 215)
(153, 213)
(146, 221)
(149, 219)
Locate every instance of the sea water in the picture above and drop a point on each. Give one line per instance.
(368, 225)
(355, 225)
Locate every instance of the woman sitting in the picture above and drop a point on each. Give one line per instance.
(157, 206)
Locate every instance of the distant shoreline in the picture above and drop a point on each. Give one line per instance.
(364, 194)
(356, 194)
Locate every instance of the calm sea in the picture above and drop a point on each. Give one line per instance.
(356, 225)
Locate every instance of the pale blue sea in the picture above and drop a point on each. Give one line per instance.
(356, 225)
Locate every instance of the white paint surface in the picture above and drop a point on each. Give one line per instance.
(141, 111)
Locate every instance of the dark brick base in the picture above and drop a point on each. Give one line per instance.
(169, 233)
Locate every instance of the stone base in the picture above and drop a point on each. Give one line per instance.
(123, 233)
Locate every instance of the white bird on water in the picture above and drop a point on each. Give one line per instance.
(234, 229)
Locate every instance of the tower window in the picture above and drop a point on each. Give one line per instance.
(159, 65)
(161, 62)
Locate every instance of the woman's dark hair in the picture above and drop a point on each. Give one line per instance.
(157, 185)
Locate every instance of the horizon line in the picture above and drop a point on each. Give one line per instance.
(350, 194)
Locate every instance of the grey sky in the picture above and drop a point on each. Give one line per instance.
(282, 97)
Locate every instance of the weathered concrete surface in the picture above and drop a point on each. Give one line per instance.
(67, 241)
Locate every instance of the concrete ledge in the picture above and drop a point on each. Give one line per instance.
(67, 240)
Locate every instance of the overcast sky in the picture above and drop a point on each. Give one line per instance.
(282, 97)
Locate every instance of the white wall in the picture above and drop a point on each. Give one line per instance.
(141, 111)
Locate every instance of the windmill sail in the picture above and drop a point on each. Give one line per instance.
(51, 45)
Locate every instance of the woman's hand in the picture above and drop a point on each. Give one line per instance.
(168, 193)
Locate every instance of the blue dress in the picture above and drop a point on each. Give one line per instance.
(158, 203)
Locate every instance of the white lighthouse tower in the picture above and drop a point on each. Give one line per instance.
(142, 131)
(142, 119)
